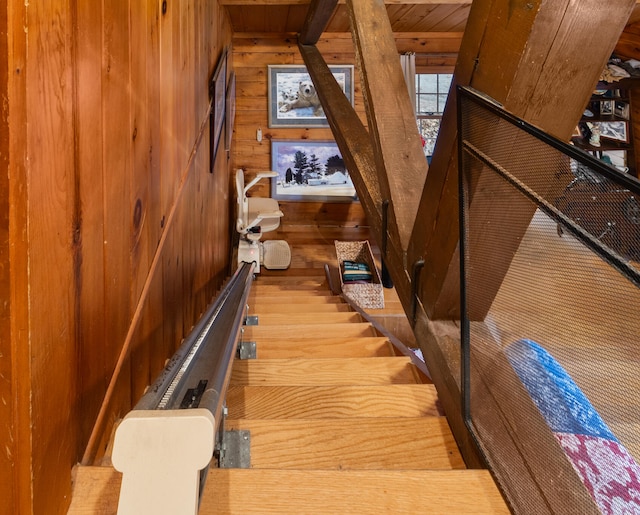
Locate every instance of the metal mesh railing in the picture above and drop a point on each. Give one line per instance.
(551, 274)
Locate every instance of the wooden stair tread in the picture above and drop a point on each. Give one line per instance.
(350, 491)
(307, 318)
(301, 299)
(374, 443)
(334, 347)
(323, 372)
(280, 307)
(295, 289)
(310, 330)
(311, 402)
(96, 491)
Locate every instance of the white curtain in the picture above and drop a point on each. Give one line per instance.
(408, 63)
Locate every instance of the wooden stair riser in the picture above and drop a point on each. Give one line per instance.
(332, 402)
(324, 372)
(335, 347)
(392, 444)
(309, 331)
(255, 300)
(282, 308)
(280, 319)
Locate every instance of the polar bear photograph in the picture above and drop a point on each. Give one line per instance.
(306, 97)
(293, 99)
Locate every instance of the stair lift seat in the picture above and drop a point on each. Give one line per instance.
(257, 215)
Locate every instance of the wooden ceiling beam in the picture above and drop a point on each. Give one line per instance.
(318, 16)
(400, 162)
(530, 66)
(354, 143)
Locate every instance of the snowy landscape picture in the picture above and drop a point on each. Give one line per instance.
(310, 170)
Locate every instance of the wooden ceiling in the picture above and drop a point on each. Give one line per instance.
(286, 16)
(406, 16)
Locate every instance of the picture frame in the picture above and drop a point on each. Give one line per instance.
(617, 130)
(310, 170)
(621, 109)
(292, 99)
(230, 115)
(606, 107)
(217, 94)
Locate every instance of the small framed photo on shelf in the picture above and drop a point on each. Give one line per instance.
(606, 107)
(613, 130)
(621, 109)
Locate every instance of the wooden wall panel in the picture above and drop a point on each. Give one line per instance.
(6, 376)
(117, 229)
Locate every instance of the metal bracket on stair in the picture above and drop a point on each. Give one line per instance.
(246, 350)
(251, 320)
(235, 450)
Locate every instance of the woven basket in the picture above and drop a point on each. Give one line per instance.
(366, 295)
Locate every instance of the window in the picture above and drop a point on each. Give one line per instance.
(431, 95)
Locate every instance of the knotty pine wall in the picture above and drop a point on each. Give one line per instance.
(104, 187)
(252, 53)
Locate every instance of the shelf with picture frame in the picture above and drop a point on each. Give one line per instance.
(606, 127)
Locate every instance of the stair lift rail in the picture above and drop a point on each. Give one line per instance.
(169, 437)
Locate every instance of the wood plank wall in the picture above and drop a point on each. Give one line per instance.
(108, 157)
(252, 53)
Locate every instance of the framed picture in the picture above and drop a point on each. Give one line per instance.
(613, 130)
(217, 92)
(606, 107)
(293, 101)
(310, 171)
(230, 103)
(621, 109)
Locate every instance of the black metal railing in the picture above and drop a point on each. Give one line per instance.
(550, 277)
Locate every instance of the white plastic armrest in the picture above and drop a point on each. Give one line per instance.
(260, 175)
(272, 214)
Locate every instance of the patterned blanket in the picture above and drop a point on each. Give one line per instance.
(607, 469)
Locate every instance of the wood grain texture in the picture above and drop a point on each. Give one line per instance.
(86, 144)
(331, 402)
(323, 491)
(274, 319)
(337, 346)
(323, 372)
(378, 443)
(310, 331)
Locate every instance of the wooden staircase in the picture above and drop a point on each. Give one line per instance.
(338, 422)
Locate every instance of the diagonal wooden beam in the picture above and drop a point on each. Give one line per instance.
(392, 125)
(354, 143)
(318, 16)
(513, 54)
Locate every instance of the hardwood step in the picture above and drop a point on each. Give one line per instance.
(310, 331)
(294, 289)
(324, 372)
(273, 402)
(300, 299)
(300, 307)
(374, 443)
(365, 492)
(271, 319)
(335, 347)
(318, 281)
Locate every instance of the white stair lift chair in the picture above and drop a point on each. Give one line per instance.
(257, 215)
